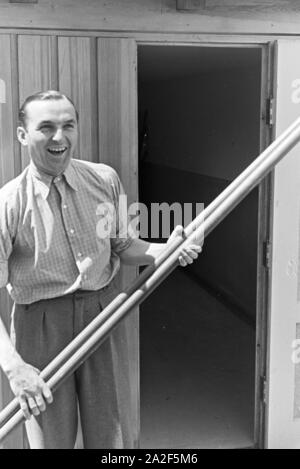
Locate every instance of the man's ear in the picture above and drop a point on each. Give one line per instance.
(22, 136)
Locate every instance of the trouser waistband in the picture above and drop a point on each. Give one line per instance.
(74, 295)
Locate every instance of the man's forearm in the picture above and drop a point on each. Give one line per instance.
(9, 357)
(141, 252)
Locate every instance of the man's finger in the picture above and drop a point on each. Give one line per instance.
(182, 261)
(47, 393)
(40, 403)
(192, 254)
(33, 406)
(178, 232)
(195, 247)
(24, 408)
(188, 259)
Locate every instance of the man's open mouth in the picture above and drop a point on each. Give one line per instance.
(57, 151)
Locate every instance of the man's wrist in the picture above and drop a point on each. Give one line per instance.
(10, 363)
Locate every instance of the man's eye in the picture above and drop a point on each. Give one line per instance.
(45, 127)
(69, 126)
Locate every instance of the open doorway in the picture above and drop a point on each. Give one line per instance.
(199, 127)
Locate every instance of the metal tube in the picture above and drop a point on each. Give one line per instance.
(9, 410)
(214, 214)
(96, 323)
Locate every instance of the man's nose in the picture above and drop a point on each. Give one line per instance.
(58, 135)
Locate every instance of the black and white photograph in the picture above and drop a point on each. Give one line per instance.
(149, 227)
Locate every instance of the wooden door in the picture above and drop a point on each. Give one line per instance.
(283, 377)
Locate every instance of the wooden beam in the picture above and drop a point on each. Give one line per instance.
(247, 3)
(210, 4)
(190, 4)
(23, 1)
(153, 16)
(18, 1)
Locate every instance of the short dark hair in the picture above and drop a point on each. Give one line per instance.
(42, 96)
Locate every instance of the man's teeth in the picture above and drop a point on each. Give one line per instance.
(57, 150)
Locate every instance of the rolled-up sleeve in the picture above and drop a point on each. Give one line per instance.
(5, 242)
(123, 235)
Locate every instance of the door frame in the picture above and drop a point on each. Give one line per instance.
(265, 190)
(282, 424)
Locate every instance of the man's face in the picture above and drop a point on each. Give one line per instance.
(51, 134)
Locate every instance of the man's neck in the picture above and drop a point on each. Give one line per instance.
(43, 172)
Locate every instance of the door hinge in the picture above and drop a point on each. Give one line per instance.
(270, 112)
(267, 254)
(263, 389)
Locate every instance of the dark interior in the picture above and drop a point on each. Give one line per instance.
(199, 127)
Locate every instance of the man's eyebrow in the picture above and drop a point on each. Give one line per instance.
(69, 121)
(45, 122)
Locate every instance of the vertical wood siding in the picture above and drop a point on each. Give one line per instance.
(37, 68)
(117, 91)
(9, 168)
(78, 79)
(99, 75)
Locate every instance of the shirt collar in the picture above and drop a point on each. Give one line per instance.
(70, 176)
(43, 181)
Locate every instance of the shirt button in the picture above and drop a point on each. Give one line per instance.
(65, 206)
(79, 254)
(72, 231)
(57, 179)
(85, 277)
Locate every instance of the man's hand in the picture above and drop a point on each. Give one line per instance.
(29, 388)
(188, 254)
(141, 252)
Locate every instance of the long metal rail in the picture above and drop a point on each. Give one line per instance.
(96, 332)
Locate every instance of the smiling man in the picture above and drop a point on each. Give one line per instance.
(60, 274)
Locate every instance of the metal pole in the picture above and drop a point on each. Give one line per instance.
(96, 323)
(218, 210)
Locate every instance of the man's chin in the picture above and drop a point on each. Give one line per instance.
(60, 168)
(55, 167)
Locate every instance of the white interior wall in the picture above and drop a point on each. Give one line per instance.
(226, 140)
(204, 122)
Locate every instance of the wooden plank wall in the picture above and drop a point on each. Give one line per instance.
(117, 66)
(9, 167)
(77, 61)
(99, 76)
(37, 68)
(219, 17)
(118, 127)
